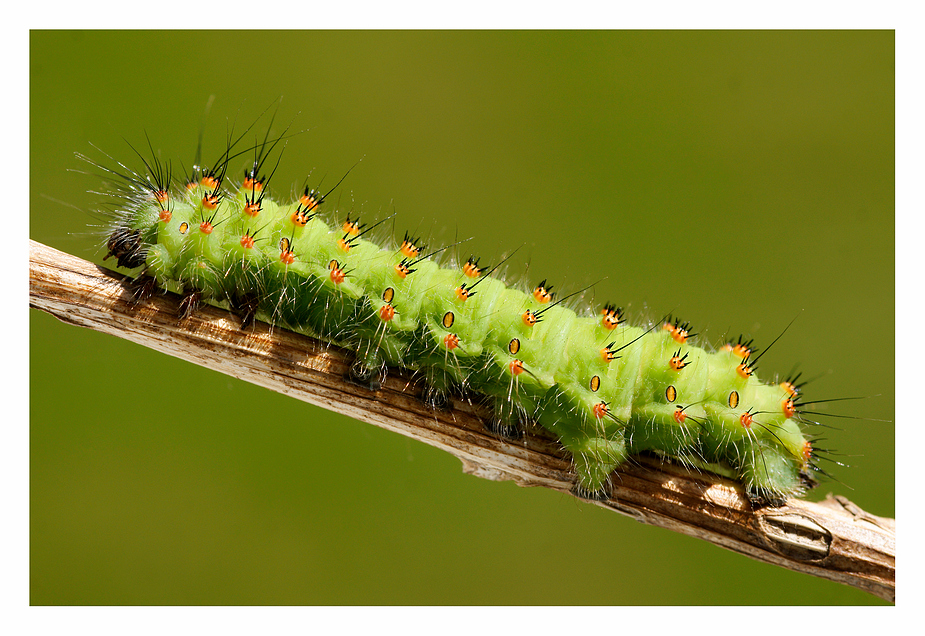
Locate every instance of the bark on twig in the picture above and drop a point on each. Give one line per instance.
(833, 539)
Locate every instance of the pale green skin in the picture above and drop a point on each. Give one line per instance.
(561, 353)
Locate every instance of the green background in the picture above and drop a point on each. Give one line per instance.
(740, 179)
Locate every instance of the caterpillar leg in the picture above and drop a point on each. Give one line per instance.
(190, 303)
(436, 398)
(245, 308)
(509, 420)
(764, 499)
(770, 475)
(439, 386)
(142, 288)
(595, 459)
(368, 374)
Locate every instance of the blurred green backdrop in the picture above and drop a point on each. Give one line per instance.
(738, 178)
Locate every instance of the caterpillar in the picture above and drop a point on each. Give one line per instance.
(738, 179)
(606, 389)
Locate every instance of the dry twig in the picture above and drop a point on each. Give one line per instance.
(833, 539)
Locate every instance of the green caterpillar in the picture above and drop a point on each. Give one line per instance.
(606, 389)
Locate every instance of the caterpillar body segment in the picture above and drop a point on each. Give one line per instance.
(605, 388)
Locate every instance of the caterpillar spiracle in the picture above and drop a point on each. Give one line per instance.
(605, 387)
